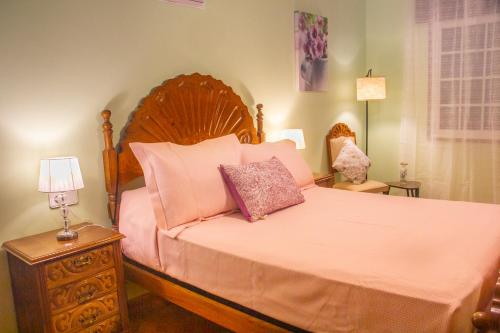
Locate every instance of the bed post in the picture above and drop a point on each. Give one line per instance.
(260, 124)
(489, 320)
(110, 160)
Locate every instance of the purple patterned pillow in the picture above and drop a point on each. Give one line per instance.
(261, 188)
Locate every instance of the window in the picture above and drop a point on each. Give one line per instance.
(464, 85)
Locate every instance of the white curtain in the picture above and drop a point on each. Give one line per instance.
(450, 129)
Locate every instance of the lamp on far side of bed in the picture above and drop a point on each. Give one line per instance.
(294, 134)
(369, 89)
(61, 177)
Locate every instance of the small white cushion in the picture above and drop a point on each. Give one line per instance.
(352, 163)
(368, 186)
(336, 145)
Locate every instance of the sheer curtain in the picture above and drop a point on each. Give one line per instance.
(450, 129)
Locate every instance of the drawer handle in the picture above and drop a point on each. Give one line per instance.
(85, 297)
(88, 321)
(82, 261)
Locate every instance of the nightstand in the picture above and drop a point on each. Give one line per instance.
(72, 286)
(324, 179)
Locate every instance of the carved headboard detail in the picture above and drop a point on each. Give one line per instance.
(338, 130)
(183, 110)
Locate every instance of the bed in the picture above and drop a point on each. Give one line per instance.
(330, 270)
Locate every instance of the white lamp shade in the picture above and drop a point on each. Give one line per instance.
(370, 88)
(294, 134)
(60, 174)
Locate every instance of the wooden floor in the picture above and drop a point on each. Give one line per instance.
(152, 314)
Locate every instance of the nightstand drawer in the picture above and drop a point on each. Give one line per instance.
(82, 291)
(86, 315)
(110, 325)
(79, 266)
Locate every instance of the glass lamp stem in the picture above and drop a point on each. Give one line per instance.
(66, 233)
(64, 212)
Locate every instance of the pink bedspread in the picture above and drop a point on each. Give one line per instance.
(342, 261)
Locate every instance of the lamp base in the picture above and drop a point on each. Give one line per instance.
(65, 235)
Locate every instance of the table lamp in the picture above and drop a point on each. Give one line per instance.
(57, 177)
(294, 134)
(368, 89)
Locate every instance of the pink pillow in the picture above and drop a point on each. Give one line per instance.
(261, 188)
(285, 151)
(184, 182)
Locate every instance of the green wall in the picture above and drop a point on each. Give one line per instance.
(384, 54)
(62, 62)
(387, 39)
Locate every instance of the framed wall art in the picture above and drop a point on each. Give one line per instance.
(311, 51)
(192, 3)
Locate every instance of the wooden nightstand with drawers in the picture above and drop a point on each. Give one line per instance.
(69, 287)
(324, 179)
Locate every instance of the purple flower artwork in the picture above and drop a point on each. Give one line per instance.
(311, 49)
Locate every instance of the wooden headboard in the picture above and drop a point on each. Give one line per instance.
(183, 110)
(338, 130)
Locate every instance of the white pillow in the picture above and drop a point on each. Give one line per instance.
(336, 145)
(352, 163)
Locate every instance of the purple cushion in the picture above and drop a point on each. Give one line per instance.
(261, 188)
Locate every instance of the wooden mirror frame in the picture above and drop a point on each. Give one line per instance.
(184, 110)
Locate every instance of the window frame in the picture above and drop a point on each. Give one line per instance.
(436, 80)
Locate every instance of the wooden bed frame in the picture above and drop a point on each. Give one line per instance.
(186, 110)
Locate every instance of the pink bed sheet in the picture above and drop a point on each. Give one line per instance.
(138, 224)
(342, 261)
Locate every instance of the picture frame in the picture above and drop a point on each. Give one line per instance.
(311, 51)
(190, 3)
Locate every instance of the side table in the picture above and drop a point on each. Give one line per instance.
(412, 187)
